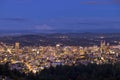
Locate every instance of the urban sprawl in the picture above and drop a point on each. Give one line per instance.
(32, 58)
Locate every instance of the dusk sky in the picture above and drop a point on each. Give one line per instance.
(59, 14)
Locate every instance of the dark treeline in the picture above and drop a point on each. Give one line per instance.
(79, 72)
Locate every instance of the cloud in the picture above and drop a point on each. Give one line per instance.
(84, 23)
(98, 22)
(14, 19)
(101, 2)
(43, 27)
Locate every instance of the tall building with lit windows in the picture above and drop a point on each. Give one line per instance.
(17, 47)
(102, 46)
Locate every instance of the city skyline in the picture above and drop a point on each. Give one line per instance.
(59, 39)
(52, 15)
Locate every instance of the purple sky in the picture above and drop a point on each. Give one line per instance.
(59, 14)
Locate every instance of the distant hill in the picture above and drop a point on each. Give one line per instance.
(71, 39)
(61, 31)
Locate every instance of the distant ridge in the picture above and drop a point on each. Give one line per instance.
(21, 32)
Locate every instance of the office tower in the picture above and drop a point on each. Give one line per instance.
(17, 47)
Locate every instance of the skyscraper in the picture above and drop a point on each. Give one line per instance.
(17, 47)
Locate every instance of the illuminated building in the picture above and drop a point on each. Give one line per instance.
(82, 51)
(59, 48)
(102, 47)
(17, 47)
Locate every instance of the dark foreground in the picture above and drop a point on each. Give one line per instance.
(79, 72)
